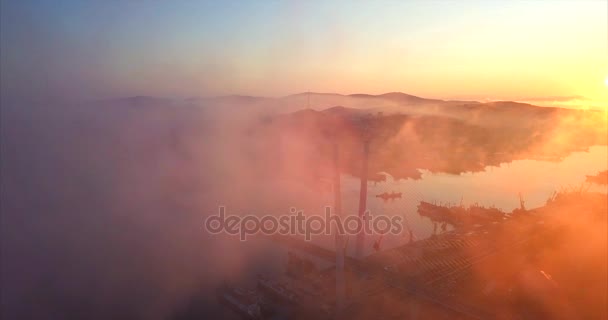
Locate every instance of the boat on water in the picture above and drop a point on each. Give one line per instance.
(389, 196)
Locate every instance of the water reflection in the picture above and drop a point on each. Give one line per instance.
(499, 186)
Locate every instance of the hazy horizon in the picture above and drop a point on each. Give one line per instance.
(470, 50)
(565, 102)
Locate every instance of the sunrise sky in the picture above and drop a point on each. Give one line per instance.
(518, 50)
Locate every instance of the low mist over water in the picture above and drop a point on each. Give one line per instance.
(472, 136)
(103, 204)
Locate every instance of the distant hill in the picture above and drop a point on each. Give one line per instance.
(137, 101)
(495, 113)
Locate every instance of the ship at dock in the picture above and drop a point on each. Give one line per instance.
(460, 216)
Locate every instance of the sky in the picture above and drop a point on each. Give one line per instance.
(485, 50)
